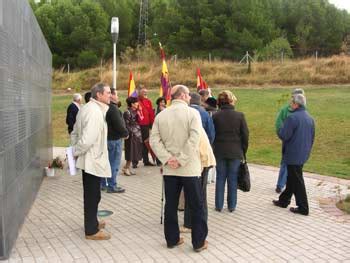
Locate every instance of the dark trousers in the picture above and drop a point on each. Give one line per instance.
(295, 185)
(192, 188)
(92, 196)
(145, 136)
(187, 213)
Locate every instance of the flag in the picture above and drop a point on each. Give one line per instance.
(165, 87)
(201, 84)
(132, 88)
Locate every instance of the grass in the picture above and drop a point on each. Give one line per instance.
(344, 204)
(329, 106)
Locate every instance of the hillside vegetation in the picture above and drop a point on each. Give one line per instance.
(324, 71)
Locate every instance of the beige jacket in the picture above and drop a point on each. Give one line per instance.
(205, 150)
(89, 139)
(176, 132)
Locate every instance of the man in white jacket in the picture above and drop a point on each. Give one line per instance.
(89, 141)
(175, 140)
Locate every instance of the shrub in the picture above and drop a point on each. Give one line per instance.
(274, 49)
(87, 59)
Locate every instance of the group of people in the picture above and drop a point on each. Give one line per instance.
(195, 134)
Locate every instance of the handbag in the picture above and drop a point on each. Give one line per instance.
(243, 180)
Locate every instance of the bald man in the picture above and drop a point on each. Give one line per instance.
(175, 140)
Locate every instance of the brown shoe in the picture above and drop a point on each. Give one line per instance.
(185, 229)
(101, 225)
(127, 172)
(180, 242)
(100, 235)
(205, 246)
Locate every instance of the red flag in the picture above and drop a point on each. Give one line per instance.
(201, 84)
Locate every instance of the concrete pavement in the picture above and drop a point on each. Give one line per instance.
(256, 232)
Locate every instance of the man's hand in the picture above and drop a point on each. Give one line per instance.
(173, 163)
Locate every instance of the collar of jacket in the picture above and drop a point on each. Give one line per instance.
(177, 101)
(301, 108)
(227, 107)
(104, 107)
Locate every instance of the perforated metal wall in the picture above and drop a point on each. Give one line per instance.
(25, 115)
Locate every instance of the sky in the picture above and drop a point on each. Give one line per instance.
(342, 4)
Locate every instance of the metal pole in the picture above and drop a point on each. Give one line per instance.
(114, 66)
(316, 55)
(247, 57)
(209, 57)
(282, 56)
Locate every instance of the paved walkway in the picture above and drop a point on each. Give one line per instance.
(256, 232)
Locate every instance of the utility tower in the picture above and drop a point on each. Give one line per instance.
(143, 20)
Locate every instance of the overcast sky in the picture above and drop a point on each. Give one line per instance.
(342, 4)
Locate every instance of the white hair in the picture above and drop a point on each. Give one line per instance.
(77, 97)
(299, 99)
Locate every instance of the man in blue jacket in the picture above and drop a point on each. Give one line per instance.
(297, 135)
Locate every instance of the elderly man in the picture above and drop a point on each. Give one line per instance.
(145, 120)
(89, 141)
(282, 115)
(72, 111)
(297, 135)
(175, 140)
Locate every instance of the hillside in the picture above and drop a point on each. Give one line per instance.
(324, 71)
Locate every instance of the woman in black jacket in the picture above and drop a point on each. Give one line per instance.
(231, 141)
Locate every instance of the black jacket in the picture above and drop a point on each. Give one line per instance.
(231, 133)
(115, 123)
(72, 112)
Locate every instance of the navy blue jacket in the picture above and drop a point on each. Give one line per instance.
(297, 134)
(72, 112)
(207, 122)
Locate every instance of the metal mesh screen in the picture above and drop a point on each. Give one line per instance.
(25, 115)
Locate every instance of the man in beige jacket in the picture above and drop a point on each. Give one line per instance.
(175, 140)
(89, 141)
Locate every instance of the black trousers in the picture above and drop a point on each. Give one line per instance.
(295, 185)
(192, 188)
(187, 213)
(144, 135)
(92, 197)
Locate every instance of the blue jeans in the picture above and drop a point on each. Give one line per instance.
(114, 156)
(226, 169)
(282, 176)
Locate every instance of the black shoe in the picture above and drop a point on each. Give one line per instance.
(296, 210)
(134, 166)
(118, 190)
(218, 209)
(103, 188)
(149, 164)
(277, 203)
(231, 210)
(278, 190)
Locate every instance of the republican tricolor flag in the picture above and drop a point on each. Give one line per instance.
(201, 84)
(132, 88)
(165, 87)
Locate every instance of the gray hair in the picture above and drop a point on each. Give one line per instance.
(98, 88)
(204, 92)
(195, 98)
(299, 99)
(177, 90)
(298, 91)
(77, 97)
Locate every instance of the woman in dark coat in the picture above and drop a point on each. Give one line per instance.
(133, 145)
(231, 142)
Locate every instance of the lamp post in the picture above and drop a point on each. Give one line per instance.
(115, 33)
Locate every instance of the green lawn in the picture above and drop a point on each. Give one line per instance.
(329, 107)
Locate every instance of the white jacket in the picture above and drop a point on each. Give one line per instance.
(89, 139)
